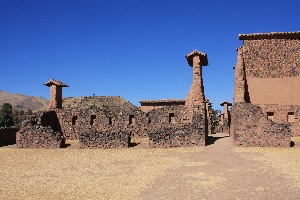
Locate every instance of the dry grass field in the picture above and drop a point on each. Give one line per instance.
(141, 173)
(82, 173)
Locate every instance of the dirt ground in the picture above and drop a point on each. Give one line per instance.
(217, 171)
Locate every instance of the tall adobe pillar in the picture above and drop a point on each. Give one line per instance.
(225, 111)
(195, 96)
(55, 93)
(240, 79)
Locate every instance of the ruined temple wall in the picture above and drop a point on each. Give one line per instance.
(40, 130)
(105, 129)
(271, 58)
(284, 114)
(110, 130)
(250, 127)
(272, 69)
(8, 136)
(284, 91)
(187, 129)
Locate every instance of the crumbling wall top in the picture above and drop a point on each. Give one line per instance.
(271, 35)
(163, 101)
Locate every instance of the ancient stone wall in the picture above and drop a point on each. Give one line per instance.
(105, 129)
(40, 130)
(98, 129)
(8, 136)
(289, 114)
(177, 126)
(271, 58)
(272, 69)
(182, 126)
(250, 127)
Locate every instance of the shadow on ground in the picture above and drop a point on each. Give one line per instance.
(212, 139)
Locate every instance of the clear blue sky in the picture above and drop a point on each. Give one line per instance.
(130, 48)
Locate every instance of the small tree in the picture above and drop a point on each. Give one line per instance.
(16, 118)
(93, 107)
(215, 113)
(6, 116)
(29, 112)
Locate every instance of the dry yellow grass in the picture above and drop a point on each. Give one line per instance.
(84, 173)
(126, 173)
(284, 160)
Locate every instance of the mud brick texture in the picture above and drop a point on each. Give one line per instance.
(40, 130)
(271, 58)
(8, 136)
(250, 127)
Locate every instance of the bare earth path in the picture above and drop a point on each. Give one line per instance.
(217, 171)
(225, 174)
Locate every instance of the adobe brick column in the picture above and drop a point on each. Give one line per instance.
(240, 78)
(195, 96)
(225, 111)
(222, 118)
(55, 93)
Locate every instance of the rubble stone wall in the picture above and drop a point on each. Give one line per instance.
(272, 58)
(105, 129)
(284, 114)
(188, 128)
(272, 68)
(40, 130)
(170, 126)
(8, 136)
(250, 127)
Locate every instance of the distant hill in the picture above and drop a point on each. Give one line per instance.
(23, 102)
(114, 103)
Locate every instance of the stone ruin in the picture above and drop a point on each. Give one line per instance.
(266, 90)
(264, 113)
(223, 124)
(169, 125)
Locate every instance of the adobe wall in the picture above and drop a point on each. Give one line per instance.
(55, 97)
(284, 91)
(8, 136)
(272, 68)
(250, 127)
(40, 130)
